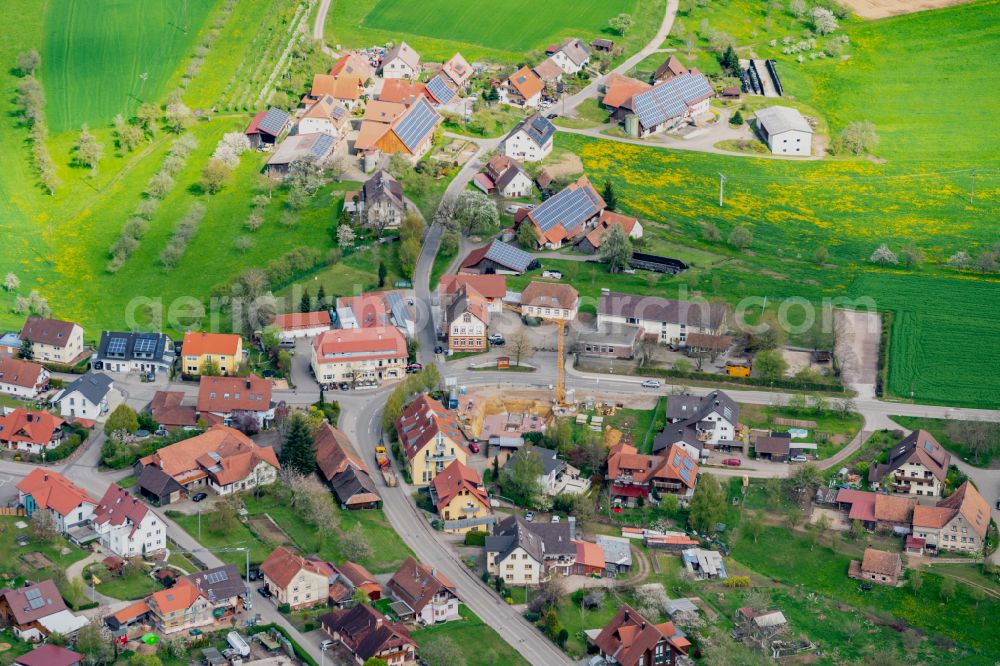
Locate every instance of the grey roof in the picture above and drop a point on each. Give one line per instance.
(383, 185)
(616, 550)
(157, 482)
(302, 146)
(439, 88)
(501, 253)
(670, 99)
(539, 540)
(537, 127)
(778, 119)
(352, 482)
(397, 308)
(133, 346)
(550, 459)
(219, 583)
(677, 433)
(94, 386)
(614, 334)
(404, 52)
(692, 408)
(576, 51)
(653, 308)
(773, 445)
(274, 121)
(510, 173)
(571, 207)
(416, 123)
(682, 605)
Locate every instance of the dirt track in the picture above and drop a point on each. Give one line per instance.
(876, 9)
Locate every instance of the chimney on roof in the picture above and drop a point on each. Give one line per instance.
(45, 476)
(625, 616)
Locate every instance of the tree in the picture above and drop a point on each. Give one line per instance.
(215, 175)
(857, 138)
(42, 526)
(521, 476)
(297, 452)
(770, 365)
(741, 238)
(821, 255)
(911, 256)
(243, 243)
(824, 22)
(729, 61)
(122, 420)
(178, 117)
(321, 303)
(144, 660)
(805, 480)
(210, 368)
(382, 274)
(443, 652)
(375, 661)
(616, 249)
(28, 62)
(527, 235)
(857, 530)
(610, 200)
(305, 303)
(354, 545)
(947, 589)
(11, 282)
(884, 256)
(475, 213)
(754, 526)
(708, 506)
(345, 236)
(27, 351)
(798, 7)
(224, 518)
(91, 643)
(520, 346)
(737, 120)
(88, 151)
(757, 599)
(621, 23)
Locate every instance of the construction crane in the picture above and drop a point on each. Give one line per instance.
(561, 365)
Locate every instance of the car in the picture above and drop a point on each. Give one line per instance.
(264, 592)
(195, 632)
(197, 497)
(414, 367)
(552, 116)
(325, 644)
(512, 209)
(473, 447)
(554, 275)
(344, 386)
(651, 383)
(798, 458)
(732, 462)
(998, 504)
(439, 349)
(497, 340)
(529, 516)
(556, 519)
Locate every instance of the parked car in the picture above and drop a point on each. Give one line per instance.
(344, 386)
(552, 116)
(798, 458)
(512, 209)
(264, 592)
(473, 447)
(556, 519)
(651, 383)
(732, 462)
(197, 497)
(414, 367)
(325, 644)
(529, 516)
(497, 340)
(554, 275)
(438, 349)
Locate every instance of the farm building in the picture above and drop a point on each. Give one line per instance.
(408, 134)
(785, 130)
(878, 566)
(592, 242)
(568, 215)
(498, 257)
(666, 105)
(266, 127)
(316, 146)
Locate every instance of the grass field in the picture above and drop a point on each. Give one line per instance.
(832, 423)
(95, 53)
(480, 29)
(478, 642)
(943, 432)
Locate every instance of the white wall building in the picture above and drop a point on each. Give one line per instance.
(786, 131)
(531, 140)
(126, 526)
(89, 397)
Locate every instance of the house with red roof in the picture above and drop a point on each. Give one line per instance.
(917, 466)
(460, 497)
(29, 430)
(589, 559)
(492, 287)
(629, 639)
(426, 591)
(430, 437)
(229, 400)
(302, 324)
(467, 321)
(22, 379)
(359, 355)
(401, 91)
(632, 475)
(365, 634)
(48, 654)
(568, 216)
(300, 582)
(47, 490)
(522, 89)
(958, 523)
(591, 243)
(126, 526)
(180, 608)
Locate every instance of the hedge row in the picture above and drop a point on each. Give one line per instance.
(784, 383)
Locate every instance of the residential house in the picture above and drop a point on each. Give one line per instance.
(30, 431)
(48, 654)
(670, 69)
(376, 310)
(221, 458)
(592, 242)
(410, 134)
(466, 320)
(222, 351)
(619, 89)
(378, 118)
(353, 65)
(266, 127)
(367, 634)
(294, 325)
(918, 465)
(524, 553)
(361, 579)
(34, 611)
(326, 116)
(589, 560)
(530, 140)
(568, 216)
(426, 591)
(68, 504)
(223, 587)
(522, 89)
(498, 257)
(492, 288)
(549, 300)
(667, 319)
(400, 62)
(22, 379)
(958, 523)
(300, 582)
(126, 526)
(785, 130)
(572, 56)
(458, 71)
(343, 90)
(558, 477)
(401, 91)
(430, 437)
(359, 355)
(89, 397)
(506, 177)
(878, 566)
(53, 340)
(550, 73)
(440, 89)
(695, 422)
(381, 203)
(167, 409)
(315, 146)
(179, 608)
(617, 554)
(618, 341)
(134, 352)
(460, 497)
(230, 400)
(665, 106)
(632, 475)
(629, 639)
(343, 470)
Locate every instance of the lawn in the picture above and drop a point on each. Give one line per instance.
(95, 55)
(438, 28)
(829, 422)
(135, 584)
(478, 642)
(948, 433)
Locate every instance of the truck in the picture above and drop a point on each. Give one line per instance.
(385, 466)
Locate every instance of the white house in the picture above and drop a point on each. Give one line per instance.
(22, 379)
(126, 526)
(531, 140)
(68, 504)
(669, 320)
(558, 477)
(523, 89)
(524, 553)
(53, 340)
(694, 422)
(229, 399)
(401, 62)
(326, 116)
(121, 351)
(786, 131)
(572, 56)
(506, 177)
(86, 398)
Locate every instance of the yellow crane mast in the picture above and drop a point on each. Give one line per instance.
(561, 365)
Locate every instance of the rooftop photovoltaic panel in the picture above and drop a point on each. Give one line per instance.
(117, 345)
(145, 345)
(273, 121)
(217, 576)
(415, 125)
(541, 130)
(685, 474)
(670, 99)
(570, 208)
(440, 90)
(322, 146)
(508, 255)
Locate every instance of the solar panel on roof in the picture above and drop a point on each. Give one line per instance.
(273, 121)
(688, 463)
(508, 255)
(570, 208)
(145, 345)
(322, 146)
(415, 125)
(440, 90)
(670, 99)
(217, 576)
(117, 346)
(685, 474)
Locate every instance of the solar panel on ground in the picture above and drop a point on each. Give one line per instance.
(440, 89)
(418, 121)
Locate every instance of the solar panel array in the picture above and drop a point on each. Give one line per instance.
(508, 255)
(34, 597)
(322, 146)
(145, 345)
(416, 124)
(216, 576)
(273, 122)
(570, 208)
(441, 91)
(540, 129)
(670, 99)
(116, 346)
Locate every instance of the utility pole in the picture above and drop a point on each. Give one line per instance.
(722, 186)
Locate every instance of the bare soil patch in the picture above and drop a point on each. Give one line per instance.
(267, 530)
(876, 9)
(569, 165)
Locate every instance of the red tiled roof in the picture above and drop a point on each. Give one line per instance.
(417, 583)
(236, 452)
(589, 554)
(17, 372)
(53, 491)
(862, 504)
(420, 423)
(282, 565)
(117, 507)
(526, 82)
(490, 286)
(334, 453)
(168, 411)
(131, 612)
(629, 636)
(401, 91)
(359, 344)
(550, 294)
(49, 655)
(30, 427)
(181, 596)
(455, 478)
(224, 395)
(197, 343)
(621, 88)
